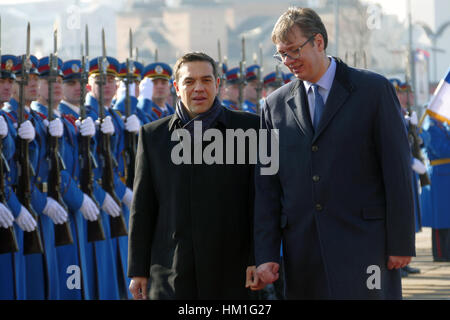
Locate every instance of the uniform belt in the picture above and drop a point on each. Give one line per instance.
(438, 162)
(43, 187)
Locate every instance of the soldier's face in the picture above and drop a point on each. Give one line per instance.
(6, 89)
(250, 90)
(232, 92)
(403, 98)
(109, 89)
(72, 91)
(196, 86)
(30, 90)
(57, 90)
(161, 89)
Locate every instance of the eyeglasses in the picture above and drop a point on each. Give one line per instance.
(295, 54)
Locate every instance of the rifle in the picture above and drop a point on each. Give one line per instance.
(416, 141)
(95, 229)
(117, 224)
(8, 242)
(130, 137)
(242, 76)
(222, 76)
(32, 242)
(260, 86)
(278, 77)
(63, 233)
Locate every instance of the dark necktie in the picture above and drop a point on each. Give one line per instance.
(318, 106)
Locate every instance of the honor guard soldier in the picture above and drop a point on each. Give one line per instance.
(119, 105)
(250, 93)
(112, 128)
(41, 274)
(435, 203)
(403, 90)
(86, 208)
(12, 261)
(160, 74)
(271, 83)
(230, 93)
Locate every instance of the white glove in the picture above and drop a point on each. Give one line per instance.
(122, 90)
(25, 220)
(54, 211)
(89, 209)
(107, 126)
(413, 119)
(418, 166)
(6, 217)
(128, 197)
(55, 128)
(3, 127)
(146, 89)
(26, 131)
(132, 124)
(87, 127)
(110, 206)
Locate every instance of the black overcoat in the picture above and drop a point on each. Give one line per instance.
(191, 224)
(341, 202)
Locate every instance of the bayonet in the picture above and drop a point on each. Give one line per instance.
(242, 75)
(117, 224)
(95, 231)
(32, 242)
(63, 233)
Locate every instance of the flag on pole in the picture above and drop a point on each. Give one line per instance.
(439, 107)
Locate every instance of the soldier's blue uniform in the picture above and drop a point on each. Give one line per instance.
(157, 70)
(232, 78)
(436, 207)
(41, 276)
(403, 87)
(251, 75)
(115, 249)
(71, 70)
(119, 105)
(12, 277)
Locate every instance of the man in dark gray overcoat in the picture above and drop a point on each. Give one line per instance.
(341, 202)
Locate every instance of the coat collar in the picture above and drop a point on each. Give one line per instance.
(223, 119)
(298, 102)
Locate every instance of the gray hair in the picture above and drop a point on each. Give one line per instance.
(306, 19)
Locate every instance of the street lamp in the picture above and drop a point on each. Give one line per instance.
(434, 36)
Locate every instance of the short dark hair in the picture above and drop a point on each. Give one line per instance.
(306, 19)
(191, 57)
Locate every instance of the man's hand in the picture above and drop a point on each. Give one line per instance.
(397, 262)
(252, 280)
(268, 272)
(138, 288)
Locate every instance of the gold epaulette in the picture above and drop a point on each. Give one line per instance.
(437, 162)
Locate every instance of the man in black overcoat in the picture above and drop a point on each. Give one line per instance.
(191, 222)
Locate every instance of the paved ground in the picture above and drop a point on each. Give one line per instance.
(434, 280)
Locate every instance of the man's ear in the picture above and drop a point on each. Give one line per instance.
(175, 85)
(320, 42)
(217, 84)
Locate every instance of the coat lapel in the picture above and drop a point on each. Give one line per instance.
(339, 93)
(298, 104)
